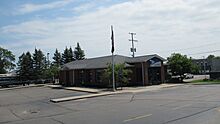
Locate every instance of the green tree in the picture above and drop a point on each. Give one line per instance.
(79, 53)
(25, 66)
(39, 64)
(6, 60)
(210, 57)
(57, 58)
(52, 72)
(20, 68)
(195, 68)
(67, 55)
(180, 64)
(217, 57)
(120, 71)
(71, 55)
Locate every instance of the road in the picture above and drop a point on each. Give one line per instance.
(177, 105)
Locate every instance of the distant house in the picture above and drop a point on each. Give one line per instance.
(8, 79)
(215, 69)
(9, 74)
(146, 70)
(203, 64)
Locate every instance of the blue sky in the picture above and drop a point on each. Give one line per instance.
(162, 27)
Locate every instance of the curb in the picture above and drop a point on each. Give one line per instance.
(104, 94)
(73, 89)
(66, 88)
(20, 87)
(204, 84)
(83, 97)
(174, 85)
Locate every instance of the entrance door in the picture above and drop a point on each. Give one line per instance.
(139, 78)
(154, 75)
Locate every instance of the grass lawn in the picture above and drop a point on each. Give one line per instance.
(206, 82)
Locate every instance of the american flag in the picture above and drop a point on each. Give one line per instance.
(112, 38)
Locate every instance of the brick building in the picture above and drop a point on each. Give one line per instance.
(146, 70)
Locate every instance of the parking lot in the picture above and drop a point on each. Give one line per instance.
(187, 104)
(32, 102)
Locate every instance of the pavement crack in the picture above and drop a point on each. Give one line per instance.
(60, 106)
(39, 117)
(58, 121)
(132, 97)
(191, 115)
(15, 114)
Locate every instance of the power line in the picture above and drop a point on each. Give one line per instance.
(204, 52)
(204, 45)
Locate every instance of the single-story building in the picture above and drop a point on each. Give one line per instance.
(146, 70)
(215, 69)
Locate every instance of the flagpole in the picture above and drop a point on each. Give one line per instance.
(113, 65)
(113, 72)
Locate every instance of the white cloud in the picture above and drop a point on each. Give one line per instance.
(84, 8)
(160, 26)
(28, 8)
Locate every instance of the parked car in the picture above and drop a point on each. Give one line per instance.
(188, 76)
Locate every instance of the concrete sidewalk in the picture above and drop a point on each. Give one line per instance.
(83, 96)
(149, 88)
(125, 90)
(80, 89)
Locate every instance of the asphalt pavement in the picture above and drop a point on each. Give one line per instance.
(187, 104)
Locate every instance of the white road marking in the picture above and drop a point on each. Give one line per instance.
(136, 118)
(179, 107)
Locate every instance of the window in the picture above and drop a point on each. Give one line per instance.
(98, 75)
(81, 76)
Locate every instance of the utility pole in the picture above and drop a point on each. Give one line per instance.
(133, 49)
(204, 66)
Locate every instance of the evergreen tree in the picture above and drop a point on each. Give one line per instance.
(71, 56)
(67, 55)
(39, 64)
(25, 66)
(57, 58)
(20, 64)
(79, 53)
(29, 65)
